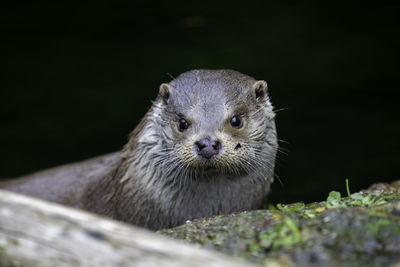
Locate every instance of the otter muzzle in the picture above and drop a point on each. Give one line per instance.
(207, 147)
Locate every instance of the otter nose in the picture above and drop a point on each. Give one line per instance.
(207, 148)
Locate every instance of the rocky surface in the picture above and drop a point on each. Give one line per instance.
(357, 230)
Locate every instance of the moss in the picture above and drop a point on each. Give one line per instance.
(360, 229)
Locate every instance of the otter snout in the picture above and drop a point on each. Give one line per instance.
(207, 147)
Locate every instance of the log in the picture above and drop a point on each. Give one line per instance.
(34, 232)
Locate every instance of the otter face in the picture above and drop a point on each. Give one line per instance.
(219, 121)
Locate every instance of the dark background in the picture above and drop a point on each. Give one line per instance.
(78, 78)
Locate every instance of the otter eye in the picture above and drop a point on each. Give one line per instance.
(236, 121)
(183, 124)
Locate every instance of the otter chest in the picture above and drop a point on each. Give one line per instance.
(222, 195)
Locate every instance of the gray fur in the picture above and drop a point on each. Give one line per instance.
(158, 181)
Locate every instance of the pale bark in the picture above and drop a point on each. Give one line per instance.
(38, 233)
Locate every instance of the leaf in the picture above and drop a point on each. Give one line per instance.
(334, 200)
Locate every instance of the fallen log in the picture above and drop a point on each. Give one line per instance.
(38, 233)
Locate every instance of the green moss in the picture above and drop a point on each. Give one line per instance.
(296, 207)
(359, 199)
(287, 234)
(361, 229)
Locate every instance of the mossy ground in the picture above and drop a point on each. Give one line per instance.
(358, 230)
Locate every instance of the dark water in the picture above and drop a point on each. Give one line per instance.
(78, 78)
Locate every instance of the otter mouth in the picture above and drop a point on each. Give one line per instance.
(211, 171)
(214, 167)
(207, 164)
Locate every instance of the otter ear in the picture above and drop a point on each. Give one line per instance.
(165, 92)
(260, 89)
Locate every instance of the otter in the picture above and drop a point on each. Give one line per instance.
(207, 146)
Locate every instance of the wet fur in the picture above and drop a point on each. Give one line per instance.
(157, 181)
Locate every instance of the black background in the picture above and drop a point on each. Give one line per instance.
(79, 76)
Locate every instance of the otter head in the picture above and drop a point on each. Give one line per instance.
(217, 121)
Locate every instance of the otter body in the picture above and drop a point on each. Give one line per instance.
(207, 146)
